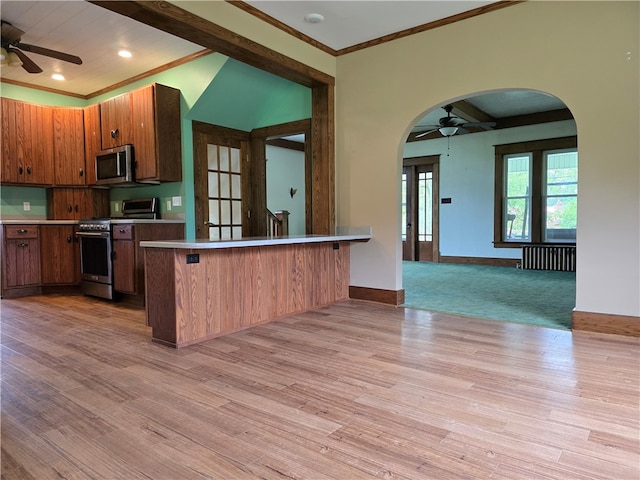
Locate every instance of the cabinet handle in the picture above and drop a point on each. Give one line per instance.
(23, 230)
(69, 239)
(28, 170)
(77, 208)
(22, 244)
(115, 133)
(81, 172)
(69, 208)
(20, 170)
(123, 230)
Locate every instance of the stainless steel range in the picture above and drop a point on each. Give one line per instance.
(96, 248)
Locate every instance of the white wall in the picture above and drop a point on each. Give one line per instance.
(584, 53)
(285, 169)
(467, 177)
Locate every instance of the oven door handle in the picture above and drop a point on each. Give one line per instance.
(93, 234)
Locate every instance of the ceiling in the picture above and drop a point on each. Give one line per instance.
(96, 34)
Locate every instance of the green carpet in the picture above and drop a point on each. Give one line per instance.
(500, 293)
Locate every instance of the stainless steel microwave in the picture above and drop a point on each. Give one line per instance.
(116, 166)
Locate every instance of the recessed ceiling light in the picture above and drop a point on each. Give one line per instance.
(313, 18)
(57, 76)
(125, 53)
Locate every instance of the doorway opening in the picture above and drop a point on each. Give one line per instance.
(420, 209)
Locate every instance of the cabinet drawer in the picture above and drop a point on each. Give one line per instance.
(123, 232)
(21, 231)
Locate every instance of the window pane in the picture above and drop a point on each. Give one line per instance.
(212, 157)
(213, 185)
(403, 224)
(516, 222)
(225, 233)
(235, 160)
(562, 196)
(517, 219)
(214, 233)
(424, 206)
(236, 212)
(236, 232)
(235, 187)
(225, 212)
(224, 186)
(562, 173)
(214, 216)
(518, 175)
(224, 159)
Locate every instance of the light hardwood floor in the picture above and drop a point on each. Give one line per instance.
(351, 391)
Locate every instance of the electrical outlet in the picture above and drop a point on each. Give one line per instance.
(116, 207)
(26, 206)
(168, 205)
(176, 201)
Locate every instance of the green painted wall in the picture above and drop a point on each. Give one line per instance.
(214, 89)
(12, 202)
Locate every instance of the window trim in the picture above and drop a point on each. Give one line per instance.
(537, 149)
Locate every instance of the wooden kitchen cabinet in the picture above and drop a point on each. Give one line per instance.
(115, 121)
(20, 257)
(68, 146)
(27, 143)
(92, 141)
(128, 259)
(59, 252)
(77, 203)
(124, 258)
(157, 138)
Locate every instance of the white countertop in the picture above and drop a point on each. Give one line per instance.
(358, 234)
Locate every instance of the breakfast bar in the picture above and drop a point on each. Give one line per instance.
(198, 290)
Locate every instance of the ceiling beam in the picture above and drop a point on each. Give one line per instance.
(181, 23)
(470, 113)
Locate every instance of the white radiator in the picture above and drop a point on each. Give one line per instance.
(549, 257)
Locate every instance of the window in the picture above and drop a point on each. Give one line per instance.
(536, 192)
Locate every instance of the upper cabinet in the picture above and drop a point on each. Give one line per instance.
(68, 146)
(157, 138)
(92, 141)
(115, 121)
(27, 143)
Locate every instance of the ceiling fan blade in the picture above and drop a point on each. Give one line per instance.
(49, 53)
(10, 33)
(27, 63)
(479, 124)
(462, 131)
(425, 133)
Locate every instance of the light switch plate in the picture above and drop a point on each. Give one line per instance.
(168, 205)
(26, 206)
(176, 201)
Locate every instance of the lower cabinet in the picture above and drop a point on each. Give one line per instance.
(59, 251)
(21, 257)
(128, 256)
(124, 259)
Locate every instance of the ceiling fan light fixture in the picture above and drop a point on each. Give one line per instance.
(448, 131)
(14, 60)
(125, 53)
(57, 76)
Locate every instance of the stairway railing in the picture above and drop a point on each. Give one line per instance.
(277, 223)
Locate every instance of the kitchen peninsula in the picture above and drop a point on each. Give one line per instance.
(198, 290)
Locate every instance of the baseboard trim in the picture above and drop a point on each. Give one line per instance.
(389, 297)
(606, 323)
(487, 261)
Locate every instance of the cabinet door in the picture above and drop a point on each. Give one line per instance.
(115, 121)
(157, 133)
(27, 143)
(68, 144)
(90, 202)
(124, 264)
(58, 251)
(92, 142)
(12, 162)
(61, 204)
(38, 144)
(22, 260)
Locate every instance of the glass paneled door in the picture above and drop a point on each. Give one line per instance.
(224, 192)
(420, 211)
